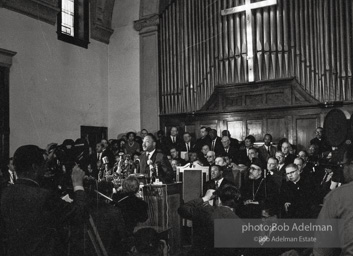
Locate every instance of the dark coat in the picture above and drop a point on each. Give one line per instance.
(218, 148)
(165, 171)
(203, 216)
(301, 196)
(211, 185)
(134, 210)
(170, 144)
(35, 218)
(263, 153)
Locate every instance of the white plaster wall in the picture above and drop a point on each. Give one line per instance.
(54, 86)
(124, 58)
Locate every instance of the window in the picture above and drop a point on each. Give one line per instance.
(73, 22)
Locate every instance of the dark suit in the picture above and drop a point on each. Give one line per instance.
(182, 146)
(201, 142)
(108, 153)
(35, 218)
(170, 144)
(165, 171)
(260, 190)
(217, 146)
(301, 196)
(211, 184)
(265, 154)
(289, 159)
(232, 153)
(203, 216)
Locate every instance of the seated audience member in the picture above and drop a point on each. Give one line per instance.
(173, 141)
(320, 141)
(256, 190)
(288, 157)
(267, 150)
(211, 157)
(216, 144)
(122, 145)
(187, 145)
(227, 149)
(281, 164)
(235, 172)
(299, 162)
(297, 195)
(174, 153)
(193, 157)
(147, 243)
(272, 170)
(233, 142)
(203, 155)
(108, 221)
(133, 208)
(131, 146)
(217, 180)
(203, 215)
(203, 140)
(254, 153)
(34, 217)
(243, 154)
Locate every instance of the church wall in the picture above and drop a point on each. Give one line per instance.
(54, 86)
(124, 57)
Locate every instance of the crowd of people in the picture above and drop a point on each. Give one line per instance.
(248, 180)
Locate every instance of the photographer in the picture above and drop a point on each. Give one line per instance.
(35, 217)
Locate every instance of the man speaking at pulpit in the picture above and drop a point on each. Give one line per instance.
(154, 164)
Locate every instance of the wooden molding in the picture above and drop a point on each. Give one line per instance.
(43, 10)
(279, 93)
(151, 21)
(101, 20)
(6, 57)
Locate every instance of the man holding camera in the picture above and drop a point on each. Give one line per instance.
(35, 217)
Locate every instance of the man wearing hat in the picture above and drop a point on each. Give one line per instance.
(257, 190)
(34, 217)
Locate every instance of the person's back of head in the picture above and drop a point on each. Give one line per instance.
(27, 158)
(229, 196)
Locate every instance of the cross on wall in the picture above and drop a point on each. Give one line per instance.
(248, 7)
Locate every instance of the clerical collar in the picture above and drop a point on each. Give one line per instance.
(296, 181)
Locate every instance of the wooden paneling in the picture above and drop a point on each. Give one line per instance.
(254, 128)
(276, 127)
(305, 131)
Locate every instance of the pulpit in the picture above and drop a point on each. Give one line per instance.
(192, 178)
(163, 203)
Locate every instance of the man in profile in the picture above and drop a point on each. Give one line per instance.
(34, 217)
(151, 158)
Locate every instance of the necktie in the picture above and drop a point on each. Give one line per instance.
(213, 144)
(187, 147)
(227, 150)
(268, 150)
(173, 139)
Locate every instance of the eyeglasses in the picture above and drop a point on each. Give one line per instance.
(209, 156)
(255, 169)
(289, 173)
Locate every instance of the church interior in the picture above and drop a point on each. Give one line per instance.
(216, 109)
